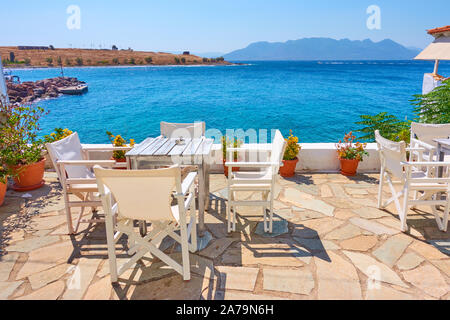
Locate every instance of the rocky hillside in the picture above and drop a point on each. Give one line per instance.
(86, 57)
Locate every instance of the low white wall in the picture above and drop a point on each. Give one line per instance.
(314, 157)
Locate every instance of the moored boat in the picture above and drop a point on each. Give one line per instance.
(74, 90)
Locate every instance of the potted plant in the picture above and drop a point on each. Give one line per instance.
(4, 172)
(118, 141)
(350, 153)
(21, 148)
(235, 143)
(290, 159)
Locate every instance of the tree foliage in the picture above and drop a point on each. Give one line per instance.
(434, 107)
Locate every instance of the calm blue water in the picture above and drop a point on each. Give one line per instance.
(320, 102)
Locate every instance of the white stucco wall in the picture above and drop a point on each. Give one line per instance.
(314, 157)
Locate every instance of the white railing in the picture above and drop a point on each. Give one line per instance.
(314, 157)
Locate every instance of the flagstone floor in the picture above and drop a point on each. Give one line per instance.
(329, 242)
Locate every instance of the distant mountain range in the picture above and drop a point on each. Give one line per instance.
(324, 49)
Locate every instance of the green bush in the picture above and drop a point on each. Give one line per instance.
(49, 61)
(68, 62)
(434, 107)
(183, 60)
(177, 60)
(79, 61)
(115, 61)
(389, 126)
(132, 61)
(149, 60)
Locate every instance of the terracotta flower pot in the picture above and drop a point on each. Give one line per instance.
(225, 169)
(29, 177)
(349, 167)
(120, 161)
(288, 168)
(2, 191)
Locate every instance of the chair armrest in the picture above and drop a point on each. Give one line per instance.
(87, 163)
(251, 164)
(81, 181)
(105, 148)
(416, 149)
(423, 144)
(188, 182)
(425, 164)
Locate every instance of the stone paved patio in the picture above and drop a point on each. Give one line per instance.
(329, 241)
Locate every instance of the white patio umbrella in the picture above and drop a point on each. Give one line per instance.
(436, 51)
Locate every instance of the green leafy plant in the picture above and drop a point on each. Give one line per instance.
(183, 60)
(292, 147)
(49, 61)
(149, 60)
(79, 61)
(19, 127)
(132, 61)
(350, 149)
(389, 126)
(177, 60)
(434, 107)
(234, 143)
(115, 61)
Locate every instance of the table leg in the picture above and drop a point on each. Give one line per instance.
(441, 156)
(201, 200)
(207, 182)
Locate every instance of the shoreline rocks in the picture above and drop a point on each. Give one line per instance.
(29, 91)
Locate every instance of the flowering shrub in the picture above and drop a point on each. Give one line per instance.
(19, 125)
(59, 134)
(118, 141)
(292, 147)
(235, 143)
(351, 149)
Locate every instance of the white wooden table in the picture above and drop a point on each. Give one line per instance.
(443, 146)
(162, 151)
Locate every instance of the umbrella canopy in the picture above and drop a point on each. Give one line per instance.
(438, 50)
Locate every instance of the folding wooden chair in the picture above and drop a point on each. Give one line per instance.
(262, 181)
(74, 169)
(146, 195)
(395, 166)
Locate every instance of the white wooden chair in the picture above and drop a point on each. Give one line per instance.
(74, 170)
(422, 135)
(146, 195)
(185, 130)
(262, 181)
(395, 166)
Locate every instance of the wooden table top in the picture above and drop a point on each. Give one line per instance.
(164, 147)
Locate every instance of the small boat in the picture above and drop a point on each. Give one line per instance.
(75, 90)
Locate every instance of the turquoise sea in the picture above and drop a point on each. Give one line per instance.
(319, 101)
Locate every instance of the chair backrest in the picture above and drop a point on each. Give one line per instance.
(141, 194)
(391, 154)
(278, 148)
(427, 132)
(185, 130)
(68, 148)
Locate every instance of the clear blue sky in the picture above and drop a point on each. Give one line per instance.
(215, 26)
